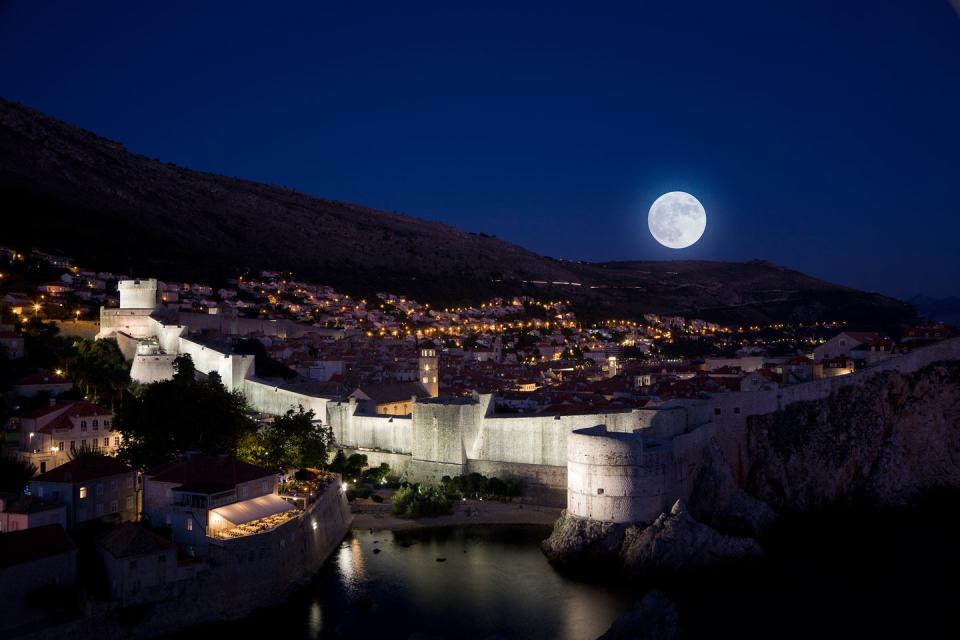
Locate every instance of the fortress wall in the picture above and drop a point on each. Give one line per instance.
(147, 369)
(438, 430)
(169, 335)
(542, 484)
(620, 477)
(542, 440)
(136, 322)
(388, 433)
(127, 345)
(613, 477)
(232, 368)
(267, 398)
(138, 294)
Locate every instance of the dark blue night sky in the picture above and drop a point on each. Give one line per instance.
(822, 135)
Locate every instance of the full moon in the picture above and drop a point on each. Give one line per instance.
(677, 220)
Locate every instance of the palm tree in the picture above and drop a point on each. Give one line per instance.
(15, 473)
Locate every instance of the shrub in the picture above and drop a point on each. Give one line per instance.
(416, 501)
(476, 485)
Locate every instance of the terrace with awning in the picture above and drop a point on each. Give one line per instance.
(248, 517)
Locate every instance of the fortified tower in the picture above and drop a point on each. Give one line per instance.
(138, 294)
(429, 365)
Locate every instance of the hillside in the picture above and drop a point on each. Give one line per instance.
(69, 190)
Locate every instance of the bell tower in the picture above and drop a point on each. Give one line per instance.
(429, 369)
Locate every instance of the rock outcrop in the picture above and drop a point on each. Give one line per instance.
(678, 543)
(653, 618)
(882, 443)
(716, 500)
(674, 543)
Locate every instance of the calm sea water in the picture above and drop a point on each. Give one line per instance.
(493, 582)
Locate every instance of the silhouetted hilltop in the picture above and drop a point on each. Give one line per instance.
(67, 189)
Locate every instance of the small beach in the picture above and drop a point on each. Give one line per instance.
(368, 514)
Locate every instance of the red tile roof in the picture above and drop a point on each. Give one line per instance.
(86, 467)
(27, 545)
(42, 377)
(201, 468)
(63, 420)
(130, 539)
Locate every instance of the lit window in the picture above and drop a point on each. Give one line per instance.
(106, 442)
(189, 525)
(83, 493)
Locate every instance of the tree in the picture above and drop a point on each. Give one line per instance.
(293, 440)
(15, 473)
(182, 414)
(350, 468)
(84, 451)
(97, 366)
(377, 475)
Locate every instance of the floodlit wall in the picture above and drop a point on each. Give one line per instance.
(386, 433)
(138, 294)
(625, 477)
(135, 322)
(232, 368)
(153, 368)
(268, 398)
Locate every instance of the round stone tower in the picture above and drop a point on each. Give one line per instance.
(613, 477)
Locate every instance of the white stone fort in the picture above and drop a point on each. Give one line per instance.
(615, 467)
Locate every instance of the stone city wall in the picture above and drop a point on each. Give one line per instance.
(233, 369)
(268, 398)
(240, 576)
(386, 433)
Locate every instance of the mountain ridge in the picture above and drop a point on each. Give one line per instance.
(102, 204)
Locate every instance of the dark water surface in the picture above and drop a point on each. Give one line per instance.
(493, 583)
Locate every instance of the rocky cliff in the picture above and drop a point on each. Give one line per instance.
(883, 443)
(886, 442)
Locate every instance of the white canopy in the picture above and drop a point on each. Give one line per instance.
(249, 510)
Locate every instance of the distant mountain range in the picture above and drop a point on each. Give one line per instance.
(66, 189)
(945, 310)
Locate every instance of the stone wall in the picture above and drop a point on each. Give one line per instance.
(138, 294)
(155, 368)
(268, 398)
(386, 433)
(232, 368)
(240, 576)
(542, 484)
